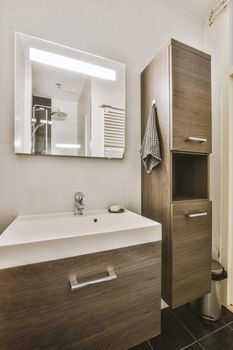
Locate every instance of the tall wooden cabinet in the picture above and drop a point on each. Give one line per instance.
(176, 193)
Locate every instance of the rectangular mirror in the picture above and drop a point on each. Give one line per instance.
(67, 102)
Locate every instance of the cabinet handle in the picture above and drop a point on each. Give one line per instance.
(75, 285)
(195, 215)
(197, 139)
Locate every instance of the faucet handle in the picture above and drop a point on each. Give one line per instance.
(79, 196)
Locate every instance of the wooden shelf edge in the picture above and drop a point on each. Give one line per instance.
(189, 200)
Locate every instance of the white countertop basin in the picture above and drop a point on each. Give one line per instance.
(36, 238)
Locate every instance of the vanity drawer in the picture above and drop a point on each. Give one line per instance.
(38, 310)
(191, 101)
(191, 245)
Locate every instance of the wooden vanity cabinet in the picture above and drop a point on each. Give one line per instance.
(179, 80)
(38, 310)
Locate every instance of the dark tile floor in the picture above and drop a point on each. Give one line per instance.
(182, 329)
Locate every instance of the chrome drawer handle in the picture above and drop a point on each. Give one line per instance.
(195, 215)
(197, 139)
(75, 285)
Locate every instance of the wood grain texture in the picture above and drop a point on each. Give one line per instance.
(39, 311)
(190, 49)
(178, 78)
(191, 261)
(156, 186)
(191, 100)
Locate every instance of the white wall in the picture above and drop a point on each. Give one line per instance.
(23, 101)
(217, 43)
(84, 119)
(20, 73)
(64, 131)
(212, 36)
(27, 108)
(130, 32)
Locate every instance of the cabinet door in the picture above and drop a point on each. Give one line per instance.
(38, 310)
(191, 100)
(191, 251)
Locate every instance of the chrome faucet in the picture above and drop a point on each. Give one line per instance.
(78, 203)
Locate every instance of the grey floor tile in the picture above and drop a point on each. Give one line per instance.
(195, 346)
(196, 325)
(220, 340)
(173, 335)
(227, 315)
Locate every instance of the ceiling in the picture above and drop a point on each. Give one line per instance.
(202, 7)
(45, 77)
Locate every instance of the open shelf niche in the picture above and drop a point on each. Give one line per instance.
(190, 176)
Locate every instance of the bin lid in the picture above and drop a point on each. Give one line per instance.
(216, 267)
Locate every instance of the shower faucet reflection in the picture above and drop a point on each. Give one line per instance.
(55, 114)
(78, 203)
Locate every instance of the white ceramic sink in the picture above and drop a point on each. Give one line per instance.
(36, 238)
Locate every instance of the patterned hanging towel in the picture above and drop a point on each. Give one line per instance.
(150, 149)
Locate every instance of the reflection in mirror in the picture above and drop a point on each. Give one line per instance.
(67, 102)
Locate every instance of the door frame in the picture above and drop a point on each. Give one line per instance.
(230, 209)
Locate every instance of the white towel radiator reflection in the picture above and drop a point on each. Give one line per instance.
(114, 131)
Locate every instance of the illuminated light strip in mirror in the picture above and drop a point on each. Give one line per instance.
(71, 64)
(67, 145)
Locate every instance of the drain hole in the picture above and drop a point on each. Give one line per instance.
(95, 220)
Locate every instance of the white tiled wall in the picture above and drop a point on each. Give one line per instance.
(217, 44)
(129, 31)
